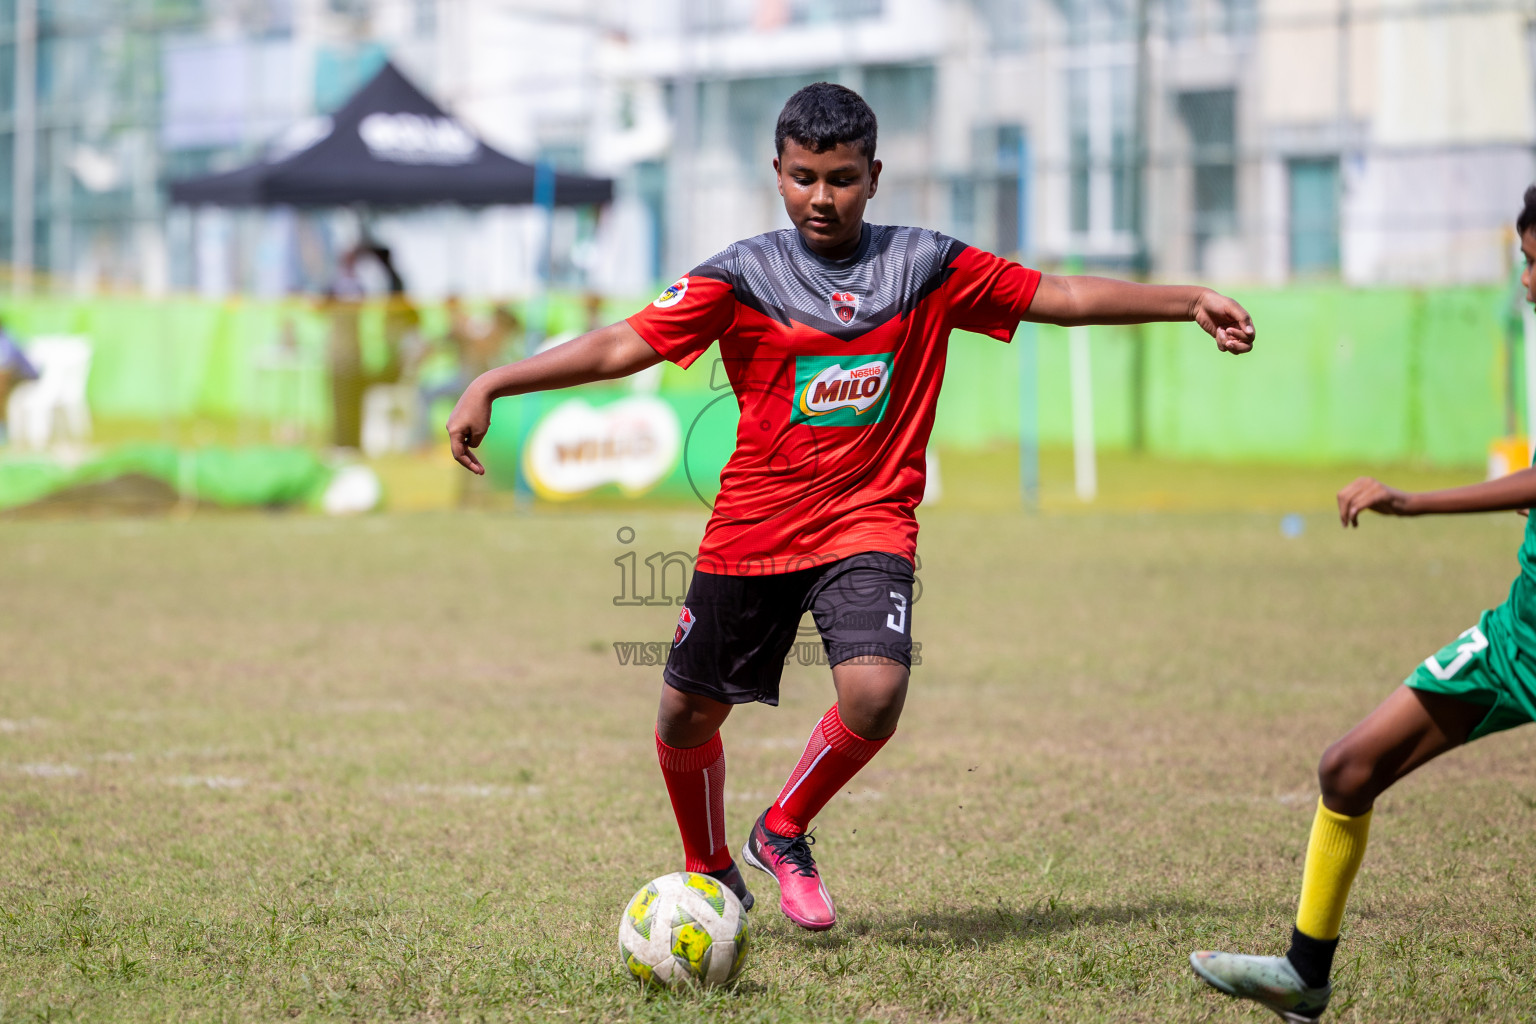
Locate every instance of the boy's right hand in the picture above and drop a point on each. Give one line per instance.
(467, 424)
(608, 352)
(1368, 493)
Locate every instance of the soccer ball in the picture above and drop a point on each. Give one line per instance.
(684, 928)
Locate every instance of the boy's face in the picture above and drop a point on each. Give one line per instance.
(1528, 250)
(825, 194)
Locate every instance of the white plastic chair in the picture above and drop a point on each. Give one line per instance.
(38, 409)
(389, 418)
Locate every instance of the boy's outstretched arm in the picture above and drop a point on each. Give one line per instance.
(1517, 491)
(1077, 301)
(603, 354)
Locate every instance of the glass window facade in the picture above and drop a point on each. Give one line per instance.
(1210, 121)
(1313, 187)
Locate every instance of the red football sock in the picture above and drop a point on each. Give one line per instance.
(832, 757)
(696, 783)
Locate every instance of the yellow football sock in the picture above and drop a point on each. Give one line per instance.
(1334, 854)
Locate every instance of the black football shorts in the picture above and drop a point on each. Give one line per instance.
(735, 632)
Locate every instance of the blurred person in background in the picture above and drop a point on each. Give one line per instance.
(344, 353)
(402, 323)
(14, 370)
(363, 270)
(475, 348)
(592, 304)
(489, 345)
(592, 310)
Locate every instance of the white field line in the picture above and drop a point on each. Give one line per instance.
(50, 771)
(208, 781)
(363, 707)
(468, 789)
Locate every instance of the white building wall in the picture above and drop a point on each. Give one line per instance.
(1433, 196)
(1430, 112)
(1430, 108)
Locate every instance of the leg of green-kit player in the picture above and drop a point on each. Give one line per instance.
(1409, 728)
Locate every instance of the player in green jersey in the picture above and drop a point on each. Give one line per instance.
(1480, 683)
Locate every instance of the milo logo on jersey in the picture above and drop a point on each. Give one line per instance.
(841, 391)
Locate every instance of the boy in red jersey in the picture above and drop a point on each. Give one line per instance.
(833, 335)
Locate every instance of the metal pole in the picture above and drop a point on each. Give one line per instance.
(24, 156)
(544, 199)
(1140, 123)
(1084, 459)
(538, 319)
(1085, 465)
(1027, 340)
(1342, 84)
(1141, 259)
(685, 116)
(1025, 169)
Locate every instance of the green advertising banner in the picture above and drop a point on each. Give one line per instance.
(1338, 374)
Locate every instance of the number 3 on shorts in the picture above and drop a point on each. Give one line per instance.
(1473, 642)
(891, 620)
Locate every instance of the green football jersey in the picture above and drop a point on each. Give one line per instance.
(1520, 608)
(1493, 664)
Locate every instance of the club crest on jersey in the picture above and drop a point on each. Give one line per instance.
(845, 305)
(673, 295)
(684, 626)
(831, 389)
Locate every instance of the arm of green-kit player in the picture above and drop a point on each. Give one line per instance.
(609, 352)
(1077, 301)
(1517, 491)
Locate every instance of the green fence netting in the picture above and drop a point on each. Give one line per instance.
(1384, 375)
(1338, 374)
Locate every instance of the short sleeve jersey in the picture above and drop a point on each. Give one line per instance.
(836, 367)
(1518, 612)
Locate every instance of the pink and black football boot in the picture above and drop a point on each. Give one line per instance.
(802, 895)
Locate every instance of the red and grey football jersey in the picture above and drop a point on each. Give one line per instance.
(836, 366)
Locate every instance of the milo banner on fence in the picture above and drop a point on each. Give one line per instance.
(607, 440)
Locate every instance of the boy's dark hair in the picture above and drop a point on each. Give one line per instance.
(1527, 219)
(820, 116)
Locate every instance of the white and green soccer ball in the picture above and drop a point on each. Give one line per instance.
(684, 928)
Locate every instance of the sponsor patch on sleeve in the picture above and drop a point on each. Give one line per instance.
(673, 295)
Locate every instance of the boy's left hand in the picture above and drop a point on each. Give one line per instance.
(1225, 321)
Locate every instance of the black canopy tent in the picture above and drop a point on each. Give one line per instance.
(389, 145)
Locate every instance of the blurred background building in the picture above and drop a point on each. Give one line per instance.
(1253, 140)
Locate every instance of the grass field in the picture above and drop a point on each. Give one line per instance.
(276, 767)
